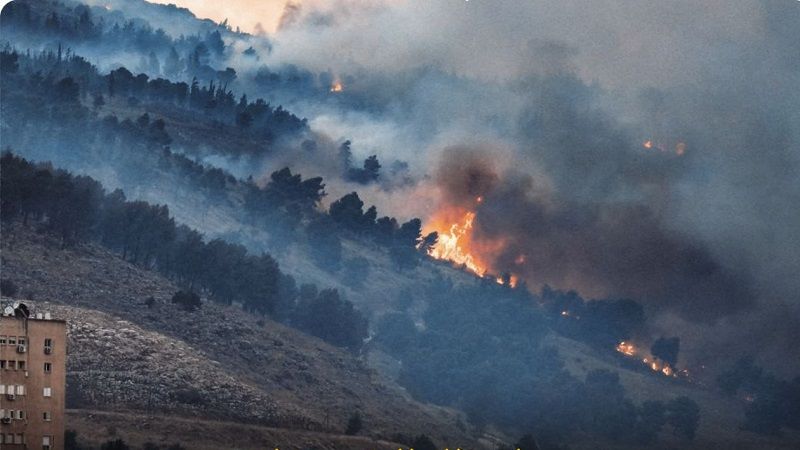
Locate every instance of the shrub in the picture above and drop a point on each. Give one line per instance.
(117, 444)
(8, 288)
(423, 442)
(354, 425)
(331, 318)
(187, 300)
(684, 416)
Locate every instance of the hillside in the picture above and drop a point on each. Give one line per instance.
(257, 372)
(721, 417)
(217, 363)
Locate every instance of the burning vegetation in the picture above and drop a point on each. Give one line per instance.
(457, 244)
(679, 149)
(660, 365)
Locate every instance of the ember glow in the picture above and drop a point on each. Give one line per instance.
(680, 147)
(626, 348)
(630, 350)
(337, 87)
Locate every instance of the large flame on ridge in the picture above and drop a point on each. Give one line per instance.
(457, 244)
(452, 245)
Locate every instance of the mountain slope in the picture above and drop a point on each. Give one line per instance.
(218, 362)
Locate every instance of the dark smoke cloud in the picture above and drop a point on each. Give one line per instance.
(542, 108)
(612, 249)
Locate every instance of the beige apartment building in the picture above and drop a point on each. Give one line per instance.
(33, 353)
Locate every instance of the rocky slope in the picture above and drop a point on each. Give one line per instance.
(217, 363)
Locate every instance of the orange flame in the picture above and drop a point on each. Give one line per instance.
(630, 350)
(450, 245)
(337, 86)
(456, 243)
(680, 147)
(626, 348)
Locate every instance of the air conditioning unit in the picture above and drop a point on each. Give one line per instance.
(10, 396)
(22, 348)
(48, 350)
(5, 420)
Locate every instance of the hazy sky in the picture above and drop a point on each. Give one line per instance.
(242, 13)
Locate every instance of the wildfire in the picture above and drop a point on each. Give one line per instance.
(456, 244)
(511, 281)
(630, 350)
(450, 247)
(626, 348)
(680, 147)
(337, 86)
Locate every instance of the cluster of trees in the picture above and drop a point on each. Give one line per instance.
(482, 351)
(63, 79)
(71, 442)
(214, 99)
(772, 404)
(328, 316)
(77, 209)
(666, 349)
(285, 205)
(600, 323)
(40, 22)
(364, 175)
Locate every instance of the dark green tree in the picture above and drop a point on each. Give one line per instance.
(354, 424)
(683, 415)
(666, 349)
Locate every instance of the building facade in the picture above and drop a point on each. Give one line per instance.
(33, 353)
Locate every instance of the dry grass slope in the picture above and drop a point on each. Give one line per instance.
(218, 363)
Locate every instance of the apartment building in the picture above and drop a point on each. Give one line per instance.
(33, 353)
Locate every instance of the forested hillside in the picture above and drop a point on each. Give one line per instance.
(162, 191)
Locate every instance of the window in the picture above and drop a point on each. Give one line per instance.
(48, 342)
(19, 438)
(12, 340)
(46, 416)
(48, 367)
(20, 414)
(2, 340)
(2, 391)
(12, 365)
(20, 389)
(48, 392)
(2, 364)
(21, 340)
(46, 442)
(21, 365)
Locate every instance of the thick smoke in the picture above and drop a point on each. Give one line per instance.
(543, 109)
(570, 91)
(619, 249)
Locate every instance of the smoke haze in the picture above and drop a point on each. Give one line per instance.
(641, 149)
(544, 109)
